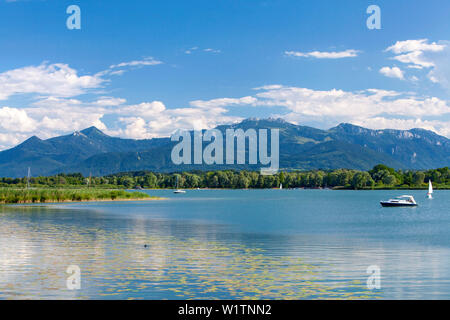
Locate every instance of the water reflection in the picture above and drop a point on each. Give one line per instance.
(143, 259)
(248, 245)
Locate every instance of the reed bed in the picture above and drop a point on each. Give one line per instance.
(11, 196)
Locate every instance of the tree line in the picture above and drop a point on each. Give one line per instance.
(380, 176)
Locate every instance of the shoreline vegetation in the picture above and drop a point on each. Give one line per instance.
(76, 187)
(59, 195)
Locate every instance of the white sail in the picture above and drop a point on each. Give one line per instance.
(430, 190)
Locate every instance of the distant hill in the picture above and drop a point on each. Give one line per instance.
(415, 148)
(301, 147)
(47, 156)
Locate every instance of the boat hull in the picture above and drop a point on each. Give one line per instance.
(390, 204)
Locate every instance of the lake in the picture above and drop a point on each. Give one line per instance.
(229, 244)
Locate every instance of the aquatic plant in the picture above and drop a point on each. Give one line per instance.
(11, 196)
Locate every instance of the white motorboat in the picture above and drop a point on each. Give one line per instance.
(402, 201)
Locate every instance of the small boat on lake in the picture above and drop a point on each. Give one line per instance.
(430, 190)
(402, 201)
(177, 191)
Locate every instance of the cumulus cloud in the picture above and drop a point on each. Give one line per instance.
(57, 108)
(324, 55)
(53, 116)
(17, 120)
(110, 101)
(412, 52)
(414, 46)
(432, 57)
(373, 108)
(153, 119)
(57, 79)
(440, 73)
(415, 60)
(330, 107)
(393, 72)
(223, 102)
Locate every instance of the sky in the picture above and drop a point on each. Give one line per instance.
(143, 69)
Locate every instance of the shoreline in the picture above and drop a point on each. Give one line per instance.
(84, 201)
(334, 189)
(43, 196)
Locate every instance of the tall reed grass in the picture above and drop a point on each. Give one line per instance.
(10, 196)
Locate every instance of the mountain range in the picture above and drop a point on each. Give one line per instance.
(301, 147)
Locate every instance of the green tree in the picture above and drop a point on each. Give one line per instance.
(418, 178)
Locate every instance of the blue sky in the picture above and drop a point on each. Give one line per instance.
(142, 69)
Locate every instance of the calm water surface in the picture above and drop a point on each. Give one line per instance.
(226, 244)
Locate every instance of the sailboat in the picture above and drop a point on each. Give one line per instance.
(430, 190)
(281, 186)
(179, 190)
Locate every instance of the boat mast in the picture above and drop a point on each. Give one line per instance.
(28, 178)
(89, 180)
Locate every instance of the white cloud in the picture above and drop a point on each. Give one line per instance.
(223, 102)
(208, 50)
(7, 140)
(136, 128)
(339, 103)
(212, 50)
(121, 68)
(324, 55)
(440, 73)
(328, 108)
(413, 52)
(393, 72)
(57, 80)
(415, 60)
(421, 54)
(149, 61)
(57, 109)
(153, 119)
(191, 50)
(414, 46)
(16, 120)
(110, 101)
(373, 108)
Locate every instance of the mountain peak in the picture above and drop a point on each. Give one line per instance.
(92, 131)
(31, 141)
(346, 125)
(270, 119)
